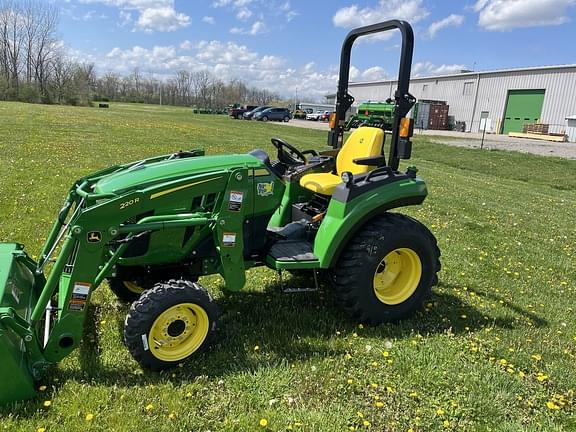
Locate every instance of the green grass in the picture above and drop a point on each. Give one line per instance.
(502, 314)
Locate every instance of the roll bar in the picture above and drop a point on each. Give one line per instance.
(403, 99)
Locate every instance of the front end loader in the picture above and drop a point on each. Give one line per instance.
(152, 228)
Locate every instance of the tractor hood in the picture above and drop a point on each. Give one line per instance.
(139, 176)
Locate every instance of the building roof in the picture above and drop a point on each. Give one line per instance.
(465, 74)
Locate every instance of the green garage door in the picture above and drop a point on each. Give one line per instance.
(522, 106)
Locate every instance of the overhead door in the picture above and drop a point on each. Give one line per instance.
(522, 107)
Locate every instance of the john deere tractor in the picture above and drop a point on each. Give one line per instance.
(154, 227)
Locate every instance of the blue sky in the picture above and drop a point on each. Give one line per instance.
(293, 45)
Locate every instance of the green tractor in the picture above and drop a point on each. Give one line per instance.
(152, 228)
(374, 114)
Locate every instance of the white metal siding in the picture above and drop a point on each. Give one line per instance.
(492, 91)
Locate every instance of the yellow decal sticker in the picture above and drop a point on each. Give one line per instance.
(265, 189)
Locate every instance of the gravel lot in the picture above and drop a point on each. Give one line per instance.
(473, 140)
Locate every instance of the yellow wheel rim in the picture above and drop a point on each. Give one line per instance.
(133, 287)
(397, 276)
(178, 332)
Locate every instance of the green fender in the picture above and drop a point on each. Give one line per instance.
(343, 219)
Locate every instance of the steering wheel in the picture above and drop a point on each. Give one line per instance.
(287, 153)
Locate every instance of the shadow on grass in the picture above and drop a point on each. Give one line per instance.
(287, 329)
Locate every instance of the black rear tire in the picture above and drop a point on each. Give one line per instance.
(169, 324)
(286, 119)
(264, 119)
(387, 270)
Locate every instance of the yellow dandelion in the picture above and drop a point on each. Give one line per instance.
(360, 414)
(503, 362)
(350, 381)
(47, 404)
(440, 412)
(263, 422)
(256, 348)
(541, 377)
(413, 395)
(360, 326)
(386, 354)
(446, 423)
(366, 423)
(374, 385)
(552, 406)
(149, 407)
(89, 417)
(536, 357)
(379, 404)
(521, 374)
(41, 429)
(42, 388)
(172, 415)
(348, 356)
(355, 335)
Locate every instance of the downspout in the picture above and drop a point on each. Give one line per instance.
(475, 101)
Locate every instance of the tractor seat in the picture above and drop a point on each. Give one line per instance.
(362, 143)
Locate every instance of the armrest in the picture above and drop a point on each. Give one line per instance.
(372, 161)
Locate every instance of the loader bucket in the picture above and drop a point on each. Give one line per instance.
(17, 298)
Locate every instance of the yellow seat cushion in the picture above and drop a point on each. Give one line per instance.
(322, 183)
(363, 142)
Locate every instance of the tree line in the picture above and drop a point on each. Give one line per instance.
(34, 67)
(187, 88)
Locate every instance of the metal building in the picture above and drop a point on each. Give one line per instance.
(502, 101)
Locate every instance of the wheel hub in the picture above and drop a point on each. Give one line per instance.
(397, 276)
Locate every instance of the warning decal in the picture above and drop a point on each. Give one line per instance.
(229, 239)
(235, 201)
(79, 296)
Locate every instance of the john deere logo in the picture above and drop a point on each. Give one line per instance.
(265, 189)
(94, 237)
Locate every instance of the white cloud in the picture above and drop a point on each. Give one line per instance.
(154, 15)
(451, 20)
(209, 20)
(503, 15)
(355, 16)
(243, 14)
(268, 10)
(257, 28)
(186, 45)
(428, 68)
(161, 19)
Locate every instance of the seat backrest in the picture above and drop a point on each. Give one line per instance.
(363, 142)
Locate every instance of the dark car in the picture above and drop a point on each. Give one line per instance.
(279, 114)
(237, 112)
(249, 115)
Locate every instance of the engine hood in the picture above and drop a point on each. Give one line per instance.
(166, 170)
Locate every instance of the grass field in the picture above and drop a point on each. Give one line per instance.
(494, 349)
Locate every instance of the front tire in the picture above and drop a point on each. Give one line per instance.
(264, 119)
(387, 270)
(170, 323)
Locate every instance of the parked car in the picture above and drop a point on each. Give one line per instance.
(325, 116)
(314, 116)
(237, 112)
(279, 114)
(249, 115)
(301, 114)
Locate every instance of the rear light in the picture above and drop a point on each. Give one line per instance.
(332, 120)
(406, 127)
